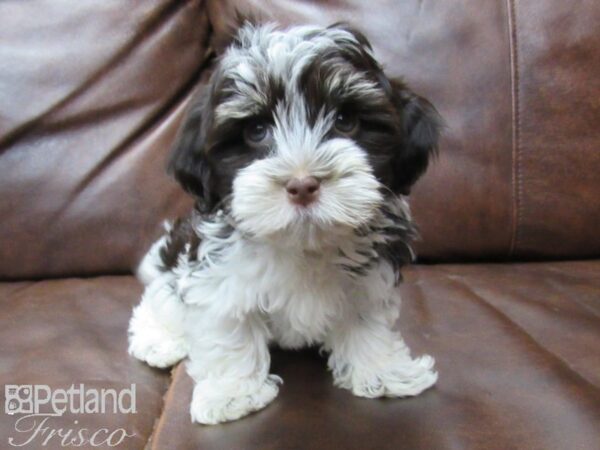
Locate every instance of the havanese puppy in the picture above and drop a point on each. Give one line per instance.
(300, 152)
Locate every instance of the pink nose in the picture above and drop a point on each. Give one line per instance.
(303, 191)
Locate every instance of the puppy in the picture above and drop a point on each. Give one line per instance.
(299, 152)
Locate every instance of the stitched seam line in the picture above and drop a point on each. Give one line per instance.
(516, 128)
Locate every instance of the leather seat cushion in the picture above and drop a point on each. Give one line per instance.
(74, 331)
(517, 353)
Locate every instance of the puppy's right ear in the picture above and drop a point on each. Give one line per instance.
(188, 161)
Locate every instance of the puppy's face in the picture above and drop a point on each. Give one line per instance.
(301, 130)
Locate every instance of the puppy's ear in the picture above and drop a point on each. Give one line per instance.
(188, 164)
(420, 125)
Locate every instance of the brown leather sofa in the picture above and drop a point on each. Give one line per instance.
(506, 294)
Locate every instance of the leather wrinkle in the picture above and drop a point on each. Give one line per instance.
(579, 303)
(527, 337)
(138, 132)
(152, 23)
(135, 135)
(19, 289)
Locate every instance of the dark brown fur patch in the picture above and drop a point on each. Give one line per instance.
(181, 233)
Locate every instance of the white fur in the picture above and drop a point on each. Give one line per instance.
(150, 268)
(224, 315)
(283, 274)
(267, 52)
(156, 332)
(349, 191)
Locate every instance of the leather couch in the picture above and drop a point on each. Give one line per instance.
(506, 291)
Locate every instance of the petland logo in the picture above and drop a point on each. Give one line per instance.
(38, 405)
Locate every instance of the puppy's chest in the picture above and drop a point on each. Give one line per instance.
(293, 280)
(300, 294)
(306, 302)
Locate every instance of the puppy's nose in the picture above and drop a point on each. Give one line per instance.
(303, 191)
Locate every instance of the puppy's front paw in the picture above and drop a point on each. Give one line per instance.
(210, 408)
(402, 378)
(158, 352)
(152, 342)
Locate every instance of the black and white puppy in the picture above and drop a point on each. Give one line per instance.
(298, 151)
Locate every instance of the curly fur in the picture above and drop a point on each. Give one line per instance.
(249, 267)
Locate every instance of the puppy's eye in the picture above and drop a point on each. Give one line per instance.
(256, 132)
(345, 123)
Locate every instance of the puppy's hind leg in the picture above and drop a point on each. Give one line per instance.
(156, 329)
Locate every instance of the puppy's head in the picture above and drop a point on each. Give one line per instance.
(301, 129)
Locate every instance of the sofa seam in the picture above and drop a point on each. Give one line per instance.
(151, 442)
(516, 172)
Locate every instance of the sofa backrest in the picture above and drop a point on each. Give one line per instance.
(91, 94)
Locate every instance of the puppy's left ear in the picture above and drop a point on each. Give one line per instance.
(188, 163)
(420, 125)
